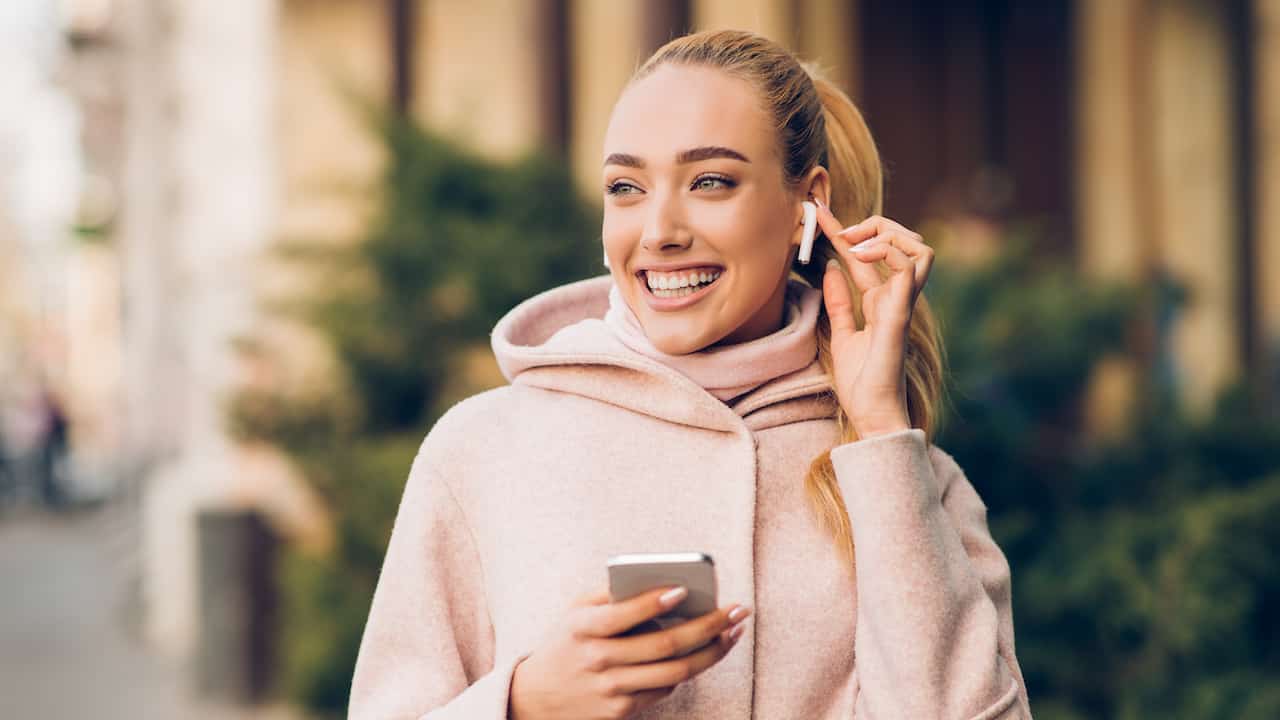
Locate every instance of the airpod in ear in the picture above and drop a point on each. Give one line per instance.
(810, 230)
(606, 255)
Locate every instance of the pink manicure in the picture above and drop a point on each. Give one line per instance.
(669, 598)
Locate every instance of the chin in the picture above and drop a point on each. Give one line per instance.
(679, 345)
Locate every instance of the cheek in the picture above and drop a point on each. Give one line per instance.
(748, 235)
(619, 228)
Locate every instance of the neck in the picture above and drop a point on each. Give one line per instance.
(728, 370)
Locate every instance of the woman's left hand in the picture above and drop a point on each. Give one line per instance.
(870, 379)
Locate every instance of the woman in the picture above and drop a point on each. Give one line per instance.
(702, 398)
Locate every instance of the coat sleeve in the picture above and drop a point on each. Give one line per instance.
(427, 651)
(934, 631)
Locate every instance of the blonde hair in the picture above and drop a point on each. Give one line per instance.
(819, 125)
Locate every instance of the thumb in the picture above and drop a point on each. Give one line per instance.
(838, 298)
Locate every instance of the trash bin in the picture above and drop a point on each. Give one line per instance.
(237, 600)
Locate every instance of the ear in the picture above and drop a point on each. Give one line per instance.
(816, 184)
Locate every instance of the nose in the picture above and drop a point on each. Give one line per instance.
(664, 227)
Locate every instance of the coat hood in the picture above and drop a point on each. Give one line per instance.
(558, 340)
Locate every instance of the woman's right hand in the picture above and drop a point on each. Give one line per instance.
(582, 671)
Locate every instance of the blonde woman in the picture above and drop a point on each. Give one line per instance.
(713, 393)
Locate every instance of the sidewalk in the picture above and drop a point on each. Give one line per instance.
(65, 613)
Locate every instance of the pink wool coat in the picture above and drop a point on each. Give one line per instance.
(518, 496)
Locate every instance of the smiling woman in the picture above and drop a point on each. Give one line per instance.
(709, 395)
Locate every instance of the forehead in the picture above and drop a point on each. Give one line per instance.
(678, 107)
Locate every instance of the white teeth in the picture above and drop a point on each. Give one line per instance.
(675, 282)
(674, 286)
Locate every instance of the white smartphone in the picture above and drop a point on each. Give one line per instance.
(633, 573)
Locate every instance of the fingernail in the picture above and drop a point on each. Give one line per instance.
(736, 633)
(670, 598)
(817, 201)
(864, 245)
(738, 613)
(833, 263)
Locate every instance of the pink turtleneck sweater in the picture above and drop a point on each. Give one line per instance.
(731, 370)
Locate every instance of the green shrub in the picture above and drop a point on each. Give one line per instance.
(1144, 575)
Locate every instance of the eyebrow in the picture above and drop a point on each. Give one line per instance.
(705, 152)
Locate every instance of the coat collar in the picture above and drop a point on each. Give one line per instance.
(557, 340)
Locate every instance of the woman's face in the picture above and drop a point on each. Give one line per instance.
(694, 193)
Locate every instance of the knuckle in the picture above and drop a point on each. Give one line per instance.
(668, 643)
(587, 625)
(716, 624)
(595, 658)
(610, 687)
(622, 706)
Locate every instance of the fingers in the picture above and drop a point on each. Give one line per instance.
(864, 275)
(872, 226)
(873, 230)
(641, 677)
(831, 227)
(918, 254)
(661, 644)
(609, 619)
(904, 278)
(628, 705)
(839, 300)
(877, 229)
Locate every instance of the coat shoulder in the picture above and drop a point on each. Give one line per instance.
(469, 421)
(480, 428)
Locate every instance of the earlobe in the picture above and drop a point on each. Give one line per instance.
(809, 232)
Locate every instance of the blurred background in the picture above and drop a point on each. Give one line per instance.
(250, 250)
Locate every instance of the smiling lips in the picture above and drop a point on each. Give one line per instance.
(667, 291)
(679, 283)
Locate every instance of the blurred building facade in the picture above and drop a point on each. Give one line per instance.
(1143, 136)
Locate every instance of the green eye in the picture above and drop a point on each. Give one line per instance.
(724, 181)
(616, 188)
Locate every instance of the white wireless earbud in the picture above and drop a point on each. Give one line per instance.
(810, 230)
(606, 255)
